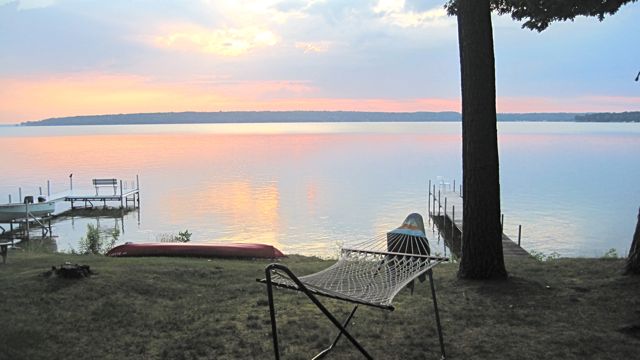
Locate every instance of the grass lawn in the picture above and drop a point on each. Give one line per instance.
(173, 308)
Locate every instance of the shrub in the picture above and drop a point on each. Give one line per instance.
(541, 256)
(611, 254)
(184, 236)
(98, 242)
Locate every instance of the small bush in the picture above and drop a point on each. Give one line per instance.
(184, 236)
(611, 254)
(541, 256)
(98, 242)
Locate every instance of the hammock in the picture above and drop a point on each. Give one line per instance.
(369, 273)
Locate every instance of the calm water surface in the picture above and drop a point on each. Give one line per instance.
(306, 188)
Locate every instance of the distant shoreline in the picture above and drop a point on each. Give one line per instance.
(244, 117)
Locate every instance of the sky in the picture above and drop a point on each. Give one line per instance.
(86, 57)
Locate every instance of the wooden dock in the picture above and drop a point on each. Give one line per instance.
(445, 203)
(90, 198)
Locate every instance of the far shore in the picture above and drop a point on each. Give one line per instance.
(245, 117)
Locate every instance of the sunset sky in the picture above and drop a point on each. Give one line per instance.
(80, 57)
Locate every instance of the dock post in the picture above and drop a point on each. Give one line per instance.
(445, 213)
(429, 200)
(40, 190)
(26, 207)
(433, 212)
(460, 190)
(48, 188)
(121, 203)
(138, 193)
(9, 198)
(19, 194)
(454, 185)
(439, 207)
(519, 233)
(71, 182)
(453, 221)
(444, 220)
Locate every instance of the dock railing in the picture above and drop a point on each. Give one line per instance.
(442, 197)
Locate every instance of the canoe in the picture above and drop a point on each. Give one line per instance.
(229, 250)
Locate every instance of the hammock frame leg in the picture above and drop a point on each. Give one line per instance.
(324, 352)
(272, 312)
(435, 308)
(314, 299)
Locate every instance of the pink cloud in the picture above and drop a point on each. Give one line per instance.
(98, 93)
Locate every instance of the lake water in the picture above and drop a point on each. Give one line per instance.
(306, 188)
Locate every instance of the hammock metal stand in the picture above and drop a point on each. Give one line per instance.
(311, 291)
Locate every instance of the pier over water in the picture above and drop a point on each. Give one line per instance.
(445, 206)
(20, 217)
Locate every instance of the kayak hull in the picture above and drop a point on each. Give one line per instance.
(220, 250)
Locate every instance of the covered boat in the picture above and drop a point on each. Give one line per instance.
(14, 211)
(219, 250)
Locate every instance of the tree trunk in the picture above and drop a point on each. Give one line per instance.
(482, 256)
(633, 261)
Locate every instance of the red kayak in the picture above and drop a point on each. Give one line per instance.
(230, 250)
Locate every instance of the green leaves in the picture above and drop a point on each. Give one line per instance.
(539, 14)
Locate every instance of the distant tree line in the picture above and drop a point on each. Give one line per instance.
(192, 117)
(627, 116)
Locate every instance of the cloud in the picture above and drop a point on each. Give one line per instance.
(103, 93)
(313, 46)
(223, 42)
(395, 12)
(397, 55)
(256, 12)
(29, 4)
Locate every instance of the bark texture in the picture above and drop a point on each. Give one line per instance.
(482, 255)
(633, 261)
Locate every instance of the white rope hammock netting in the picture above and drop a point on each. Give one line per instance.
(372, 272)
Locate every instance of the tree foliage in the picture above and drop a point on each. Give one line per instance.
(539, 14)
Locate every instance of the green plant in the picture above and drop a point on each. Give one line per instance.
(90, 244)
(541, 256)
(611, 254)
(98, 242)
(184, 236)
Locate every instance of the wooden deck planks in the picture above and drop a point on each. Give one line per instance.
(453, 212)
